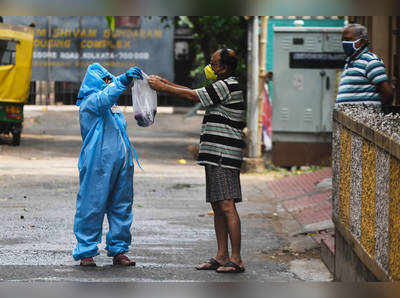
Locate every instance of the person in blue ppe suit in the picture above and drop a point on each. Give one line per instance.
(105, 167)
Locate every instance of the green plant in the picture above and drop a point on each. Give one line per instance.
(210, 34)
(214, 32)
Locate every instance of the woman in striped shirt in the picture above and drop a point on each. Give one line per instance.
(221, 150)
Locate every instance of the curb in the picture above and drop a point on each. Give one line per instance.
(327, 256)
(129, 109)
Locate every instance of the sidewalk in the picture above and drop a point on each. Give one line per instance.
(307, 198)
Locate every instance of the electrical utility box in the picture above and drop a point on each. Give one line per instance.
(308, 62)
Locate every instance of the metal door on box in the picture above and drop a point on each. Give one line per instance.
(305, 78)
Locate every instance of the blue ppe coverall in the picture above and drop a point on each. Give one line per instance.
(105, 167)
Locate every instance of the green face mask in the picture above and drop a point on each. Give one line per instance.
(210, 73)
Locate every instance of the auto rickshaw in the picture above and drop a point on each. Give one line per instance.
(16, 50)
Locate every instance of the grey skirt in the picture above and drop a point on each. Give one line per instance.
(222, 184)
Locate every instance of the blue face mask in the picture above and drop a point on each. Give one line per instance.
(350, 48)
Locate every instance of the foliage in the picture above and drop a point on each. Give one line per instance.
(210, 34)
(214, 32)
(111, 22)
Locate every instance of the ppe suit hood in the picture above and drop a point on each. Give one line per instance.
(93, 81)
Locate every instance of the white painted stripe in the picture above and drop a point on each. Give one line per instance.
(53, 108)
(74, 108)
(355, 185)
(382, 204)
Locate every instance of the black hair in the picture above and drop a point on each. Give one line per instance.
(1, 19)
(229, 59)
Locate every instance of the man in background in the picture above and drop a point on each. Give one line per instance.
(364, 79)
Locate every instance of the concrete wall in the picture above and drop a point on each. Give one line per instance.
(366, 202)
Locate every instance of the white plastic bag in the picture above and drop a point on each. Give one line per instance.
(144, 101)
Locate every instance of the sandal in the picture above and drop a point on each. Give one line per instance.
(87, 262)
(214, 264)
(123, 260)
(237, 268)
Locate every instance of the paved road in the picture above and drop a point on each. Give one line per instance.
(172, 229)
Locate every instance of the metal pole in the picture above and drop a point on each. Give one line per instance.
(252, 107)
(47, 100)
(261, 78)
(249, 80)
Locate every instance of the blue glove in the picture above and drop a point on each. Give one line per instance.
(132, 73)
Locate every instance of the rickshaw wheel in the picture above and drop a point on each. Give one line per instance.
(16, 139)
(16, 132)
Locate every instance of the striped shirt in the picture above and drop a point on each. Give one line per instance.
(360, 78)
(221, 139)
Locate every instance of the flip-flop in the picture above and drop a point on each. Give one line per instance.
(237, 268)
(213, 262)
